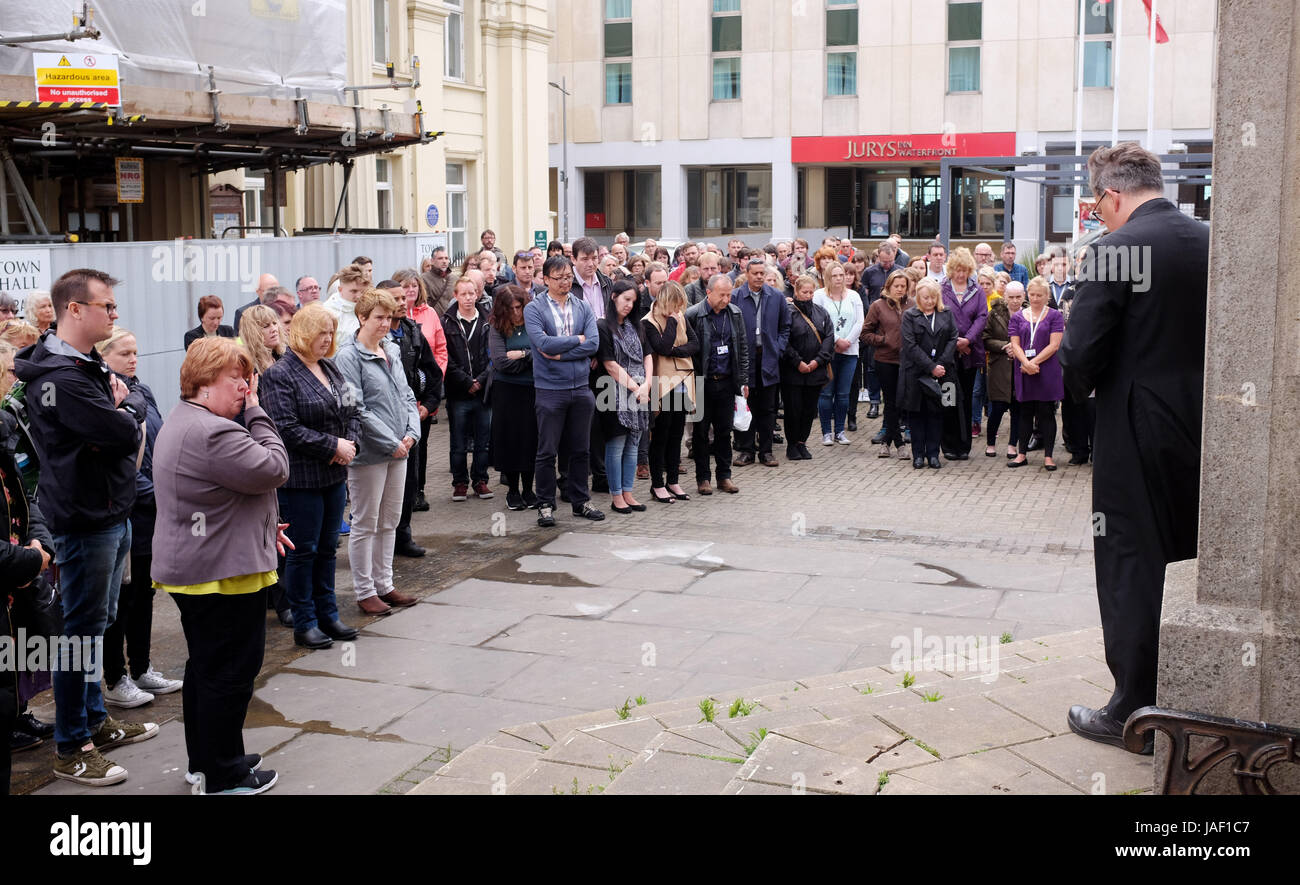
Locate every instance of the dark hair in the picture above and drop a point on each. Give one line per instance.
(207, 303)
(585, 246)
(753, 261)
(503, 305)
(75, 286)
(361, 259)
(523, 256)
(485, 233)
(554, 263)
(554, 247)
(284, 310)
(619, 287)
(1127, 167)
(388, 284)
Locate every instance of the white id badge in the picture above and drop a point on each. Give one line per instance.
(1031, 353)
(932, 353)
(724, 349)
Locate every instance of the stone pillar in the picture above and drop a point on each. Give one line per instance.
(672, 201)
(1230, 633)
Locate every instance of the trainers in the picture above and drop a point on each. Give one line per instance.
(863, 396)
(884, 450)
(460, 491)
(153, 681)
(127, 694)
(252, 760)
(514, 501)
(530, 500)
(88, 767)
(841, 439)
(344, 528)
(481, 490)
(253, 783)
(114, 732)
(828, 440)
(545, 516)
(903, 453)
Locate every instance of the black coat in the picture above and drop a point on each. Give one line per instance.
(697, 315)
(197, 332)
(422, 372)
(804, 346)
(915, 361)
(467, 361)
(1144, 354)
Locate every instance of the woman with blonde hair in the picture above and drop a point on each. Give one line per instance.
(927, 361)
(672, 341)
(40, 311)
(259, 332)
(19, 333)
(970, 311)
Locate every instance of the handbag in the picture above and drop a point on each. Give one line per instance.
(930, 387)
(38, 608)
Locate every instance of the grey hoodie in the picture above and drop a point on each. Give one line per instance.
(383, 399)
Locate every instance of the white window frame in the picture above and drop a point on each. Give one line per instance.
(1104, 37)
(614, 59)
(382, 53)
(456, 13)
(950, 45)
(460, 191)
(384, 192)
(714, 57)
(254, 188)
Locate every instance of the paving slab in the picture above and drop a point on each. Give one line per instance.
(781, 761)
(861, 675)
(490, 765)
(345, 704)
(743, 728)
(509, 741)
(588, 685)
(879, 703)
(745, 584)
(542, 599)
(531, 732)
(1047, 702)
(689, 738)
(787, 659)
(861, 737)
(438, 622)
(636, 644)
(672, 774)
(997, 772)
(553, 729)
(801, 557)
(738, 787)
(962, 725)
(461, 720)
(634, 733)
(588, 569)
(629, 548)
(876, 595)
(714, 614)
(551, 778)
(450, 786)
(660, 577)
(430, 665)
(332, 764)
(1063, 608)
(1090, 766)
(581, 748)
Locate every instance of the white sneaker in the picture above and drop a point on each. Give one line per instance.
(884, 450)
(126, 694)
(863, 396)
(827, 439)
(842, 439)
(153, 681)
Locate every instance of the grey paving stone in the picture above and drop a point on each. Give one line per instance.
(844, 677)
(861, 737)
(1088, 765)
(660, 577)
(490, 765)
(877, 703)
(787, 659)
(549, 778)
(800, 557)
(799, 697)
(962, 725)
(450, 786)
(1047, 702)
(704, 684)
(589, 569)
(738, 787)
(581, 748)
(877, 595)
(509, 741)
(436, 622)
(345, 704)
(839, 624)
(756, 585)
(783, 762)
(1062, 608)
(713, 614)
(531, 732)
(688, 739)
(997, 772)
(632, 734)
(462, 720)
(331, 764)
(418, 664)
(1026, 574)
(541, 599)
(558, 728)
(629, 548)
(743, 728)
(674, 775)
(635, 644)
(588, 685)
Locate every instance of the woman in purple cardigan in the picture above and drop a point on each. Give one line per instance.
(215, 542)
(1036, 334)
(970, 309)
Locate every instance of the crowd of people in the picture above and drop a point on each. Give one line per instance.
(566, 372)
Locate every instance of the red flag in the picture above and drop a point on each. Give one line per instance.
(1161, 35)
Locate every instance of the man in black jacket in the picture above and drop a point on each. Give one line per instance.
(468, 365)
(723, 363)
(87, 427)
(425, 379)
(1137, 335)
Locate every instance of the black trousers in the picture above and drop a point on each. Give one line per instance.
(800, 410)
(719, 412)
(927, 429)
(7, 724)
(1077, 422)
(424, 448)
(996, 411)
(226, 636)
(1045, 413)
(408, 500)
(887, 373)
(757, 440)
(133, 625)
(596, 454)
(666, 443)
(956, 420)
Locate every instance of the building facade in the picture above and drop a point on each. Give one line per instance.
(708, 119)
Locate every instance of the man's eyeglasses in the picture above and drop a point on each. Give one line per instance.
(568, 277)
(110, 307)
(310, 289)
(1096, 210)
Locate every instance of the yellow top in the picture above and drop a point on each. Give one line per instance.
(239, 586)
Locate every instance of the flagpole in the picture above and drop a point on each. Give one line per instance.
(1114, 84)
(1151, 78)
(1078, 114)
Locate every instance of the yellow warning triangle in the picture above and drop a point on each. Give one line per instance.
(64, 63)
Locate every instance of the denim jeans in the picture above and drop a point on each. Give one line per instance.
(834, 400)
(620, 461)
(313, 516)
(979, 400)
(470, 419)
(90, 575)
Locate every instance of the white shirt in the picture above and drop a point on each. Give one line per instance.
(846, 315)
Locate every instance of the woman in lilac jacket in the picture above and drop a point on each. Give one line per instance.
(1036, 334)
(963, 296)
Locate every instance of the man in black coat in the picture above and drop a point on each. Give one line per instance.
(1137, 336)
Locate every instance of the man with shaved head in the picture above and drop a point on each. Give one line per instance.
(264, 282)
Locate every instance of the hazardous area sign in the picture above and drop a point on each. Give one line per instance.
(71, 76)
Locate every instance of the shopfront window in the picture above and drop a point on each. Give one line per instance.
(728, 200)
(980, 202)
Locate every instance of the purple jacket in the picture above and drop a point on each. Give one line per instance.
(970, 318)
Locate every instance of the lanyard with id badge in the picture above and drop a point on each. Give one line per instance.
(1032, 351)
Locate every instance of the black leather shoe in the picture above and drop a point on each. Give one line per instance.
(792, 452)
(874, 412)
(778, 438)
(744, 459)
(918, 463)
(409, 548)
(420, 505)
(1079, 459)
(1100, 726)
(286, 618)
(935, 463)
(31, 725)
(804, 453)
(313, 638)
(21, 740)
(338, 630)
(852, 426)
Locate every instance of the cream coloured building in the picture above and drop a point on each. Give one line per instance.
(756, 118)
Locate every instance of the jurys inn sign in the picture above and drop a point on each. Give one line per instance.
(901, 148)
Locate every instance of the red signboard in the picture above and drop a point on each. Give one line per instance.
(596, 220)
(901, 148)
